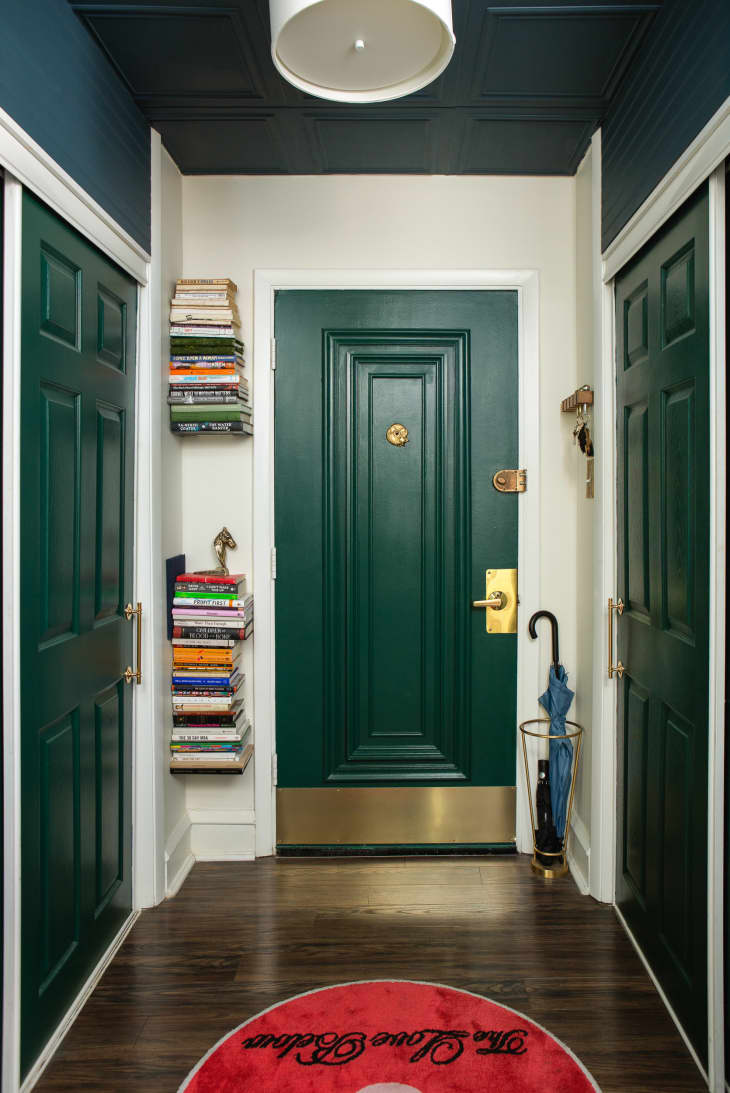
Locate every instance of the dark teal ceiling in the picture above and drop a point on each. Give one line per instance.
(526, 88)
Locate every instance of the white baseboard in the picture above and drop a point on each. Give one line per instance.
(174, 879)
(661, 994)
(222, 834)
(579, 858)
(76, 1006)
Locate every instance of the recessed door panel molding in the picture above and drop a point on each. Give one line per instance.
(111, 330)
(110, 511)
(60, 845)
(59, 516)
(636, 326)
(678, 510)
(109, 793)
(636, 507)
(662, 403)
(636, 749)
(678, 295)
(396, 618)
(60, 316)
(678, 865)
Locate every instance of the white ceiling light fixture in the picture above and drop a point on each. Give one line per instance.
(361, 50)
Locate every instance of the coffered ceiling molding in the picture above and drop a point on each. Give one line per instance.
(525, 89)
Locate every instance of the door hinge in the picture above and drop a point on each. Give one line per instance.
(510, 481)
(275, 769)
(272, 356)
(273, 563)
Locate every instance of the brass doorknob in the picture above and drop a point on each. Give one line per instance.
(496, 600)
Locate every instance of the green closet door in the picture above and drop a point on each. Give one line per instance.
(662, 325)
(77, 444)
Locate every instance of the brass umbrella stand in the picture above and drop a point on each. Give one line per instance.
(560, 868)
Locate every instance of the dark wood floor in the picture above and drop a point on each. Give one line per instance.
(241, 936)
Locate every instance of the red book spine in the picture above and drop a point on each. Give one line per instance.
(211, 578)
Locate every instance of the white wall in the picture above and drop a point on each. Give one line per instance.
(582, 676)
(233, 225)
(177, 838)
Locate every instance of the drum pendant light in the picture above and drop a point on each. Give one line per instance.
(361, 50)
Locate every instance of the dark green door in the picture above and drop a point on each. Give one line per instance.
(386, 677)
(77, 443)
(662, 324)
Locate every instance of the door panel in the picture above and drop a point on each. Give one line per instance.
(663, 636)
(386, 676)
(77, 400)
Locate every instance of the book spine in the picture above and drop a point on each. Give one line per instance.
(204, 632)
(194, 588)
(211, 578)
(209, 427)
(191, 600)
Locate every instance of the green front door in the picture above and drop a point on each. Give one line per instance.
(662, 325)
(77, 443)
(395, 707)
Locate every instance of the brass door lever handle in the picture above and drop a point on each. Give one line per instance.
(496, 600)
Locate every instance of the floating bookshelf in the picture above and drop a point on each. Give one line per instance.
(208, 391)
(210, 616)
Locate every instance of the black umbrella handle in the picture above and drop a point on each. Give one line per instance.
(554, 625)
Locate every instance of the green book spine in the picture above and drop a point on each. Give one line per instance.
(204, 414)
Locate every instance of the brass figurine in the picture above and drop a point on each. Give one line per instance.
(223, 541)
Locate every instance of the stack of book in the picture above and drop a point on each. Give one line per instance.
(208, 391)
(211, 616)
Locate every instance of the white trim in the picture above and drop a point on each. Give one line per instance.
(175, 881)
(660, 992)
(149, 581)
(178, 833)
(266, 282)
(32, 166)
(709, 148)
(717, 623)
(582, 838)
(222, 816)
(223, 855)
(76, 1006)
(13, 211)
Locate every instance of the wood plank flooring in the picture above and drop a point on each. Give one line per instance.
(241, 936)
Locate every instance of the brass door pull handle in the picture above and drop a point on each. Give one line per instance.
(496, 600)
(614, 669)
(129, 673)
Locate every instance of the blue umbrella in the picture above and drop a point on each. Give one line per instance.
(556, 701)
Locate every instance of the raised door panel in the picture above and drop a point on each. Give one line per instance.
(111, 329)
(636, 508)
(60, 486)
(110, 473)
(60, 298)
(59, 810)
(676, 782)
(636, 748)
(394, 574)
(109, 794)
(678, 509)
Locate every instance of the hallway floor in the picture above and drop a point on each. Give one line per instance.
(240, 936)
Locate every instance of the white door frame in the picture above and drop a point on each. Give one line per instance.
(266, 283)
(703, 160)
(27, 165)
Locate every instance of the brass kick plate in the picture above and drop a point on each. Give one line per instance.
(503, 621)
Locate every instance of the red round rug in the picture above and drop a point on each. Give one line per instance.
(389, 1036)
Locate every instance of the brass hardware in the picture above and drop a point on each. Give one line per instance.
(614, 669)
(501, 597)
(497, 600)
(561, 867)
(129, 613)
(510, 481)
(582, 397)
(395, 815)
(397, 435)
(590, 493)
(221, 544)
